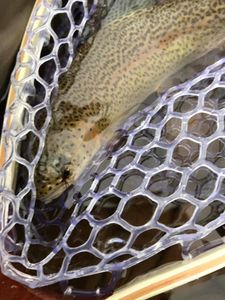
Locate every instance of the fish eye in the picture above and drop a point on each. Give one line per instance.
(66, 174)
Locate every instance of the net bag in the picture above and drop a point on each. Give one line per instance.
(166, 157)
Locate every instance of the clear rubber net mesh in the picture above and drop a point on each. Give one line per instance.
(158, 183)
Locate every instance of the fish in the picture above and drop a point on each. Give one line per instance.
(139, 45)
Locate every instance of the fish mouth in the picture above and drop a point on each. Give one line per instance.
(52, 193)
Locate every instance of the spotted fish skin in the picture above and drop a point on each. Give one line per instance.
(140, 44)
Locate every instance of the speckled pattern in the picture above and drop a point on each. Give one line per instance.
(139, 45)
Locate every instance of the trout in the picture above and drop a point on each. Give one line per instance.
(139, 45)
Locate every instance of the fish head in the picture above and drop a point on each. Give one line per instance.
(54, 174)
(58, 165)
(63, 160)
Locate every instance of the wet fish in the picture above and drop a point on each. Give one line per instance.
(139, 45)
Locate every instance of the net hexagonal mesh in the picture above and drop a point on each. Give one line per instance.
(158, 183)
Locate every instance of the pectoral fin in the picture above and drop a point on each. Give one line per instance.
(96, 129)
